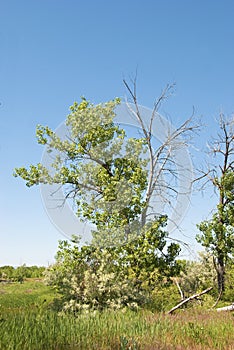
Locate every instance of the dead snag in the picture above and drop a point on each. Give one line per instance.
(188, 299)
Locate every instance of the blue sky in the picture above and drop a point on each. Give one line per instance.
(54, 51)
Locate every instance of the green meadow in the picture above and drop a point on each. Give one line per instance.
(29, 321)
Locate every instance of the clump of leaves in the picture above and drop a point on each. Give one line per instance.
(96, 278)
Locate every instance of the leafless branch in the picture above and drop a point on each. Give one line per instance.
(195, 296)
(161, 160)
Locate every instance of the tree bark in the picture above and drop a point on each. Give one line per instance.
(220, 270)
(221, 277)
(226, 308)
(188, 299)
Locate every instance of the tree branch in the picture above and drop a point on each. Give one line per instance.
(189, 299)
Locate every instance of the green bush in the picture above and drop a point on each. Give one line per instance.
(95, 278)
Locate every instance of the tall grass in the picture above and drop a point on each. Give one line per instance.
(27, 323)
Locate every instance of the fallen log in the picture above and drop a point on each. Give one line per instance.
(5, 281)
(188, 299)
(226, 308)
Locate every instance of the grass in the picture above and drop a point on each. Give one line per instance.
(28, 323)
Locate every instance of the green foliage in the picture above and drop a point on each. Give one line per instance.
(91, 166)
(148, 259)
(163, 297)
(21, 272)
(6, 272)
(94, 278)
(217, 234)
(88, 280)
(197, 275)
(228, 295)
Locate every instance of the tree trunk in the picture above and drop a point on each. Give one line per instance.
(220, 270)
(221, 274)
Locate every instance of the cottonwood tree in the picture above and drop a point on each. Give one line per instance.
(217, 234)
(114, 180)
(98, 166)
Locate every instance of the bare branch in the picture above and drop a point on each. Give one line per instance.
(195, 296)
(161, 160)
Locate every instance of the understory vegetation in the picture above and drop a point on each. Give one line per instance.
(91, 278)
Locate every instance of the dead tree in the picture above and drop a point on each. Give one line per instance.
(164, 167)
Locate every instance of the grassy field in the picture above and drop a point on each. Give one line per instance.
(28, 322)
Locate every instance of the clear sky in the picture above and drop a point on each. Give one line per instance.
(54, 51)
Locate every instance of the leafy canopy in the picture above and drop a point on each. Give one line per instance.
(101, 168)
(217, 234)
